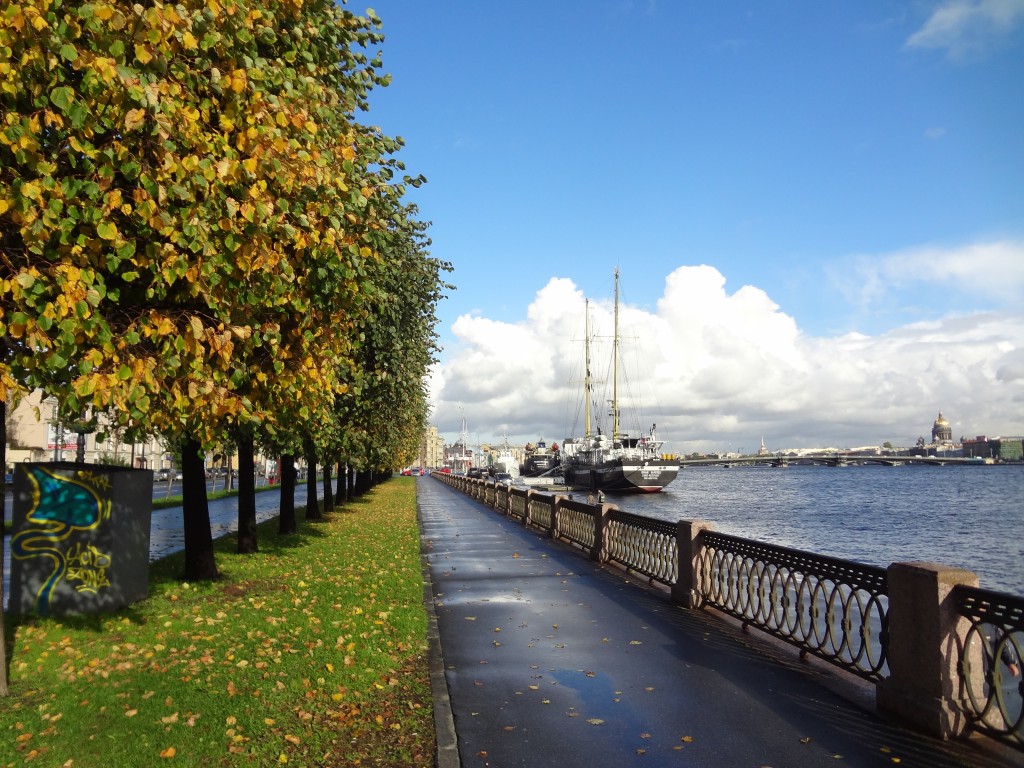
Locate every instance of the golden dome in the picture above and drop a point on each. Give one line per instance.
(941, 421)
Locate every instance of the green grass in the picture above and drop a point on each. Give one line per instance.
(310, 653)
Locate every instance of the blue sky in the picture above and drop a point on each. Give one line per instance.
(817, 210)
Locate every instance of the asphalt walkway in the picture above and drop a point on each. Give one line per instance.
(551, 660)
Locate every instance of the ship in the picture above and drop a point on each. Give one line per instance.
(505, 463)
(615, 463)
(539, 460)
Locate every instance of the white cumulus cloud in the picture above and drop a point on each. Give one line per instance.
(716, 368)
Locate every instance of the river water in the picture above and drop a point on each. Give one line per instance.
(966, 516)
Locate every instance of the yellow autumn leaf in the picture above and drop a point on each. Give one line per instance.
(188, 41)
(168, 753)
(134, 118)
(142, 53)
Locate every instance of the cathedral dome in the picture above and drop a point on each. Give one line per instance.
(941, 431)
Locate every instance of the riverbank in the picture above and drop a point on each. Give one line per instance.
(310, 652)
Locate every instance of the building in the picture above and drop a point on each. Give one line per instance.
(942, 433)
(995, 448)
(35, 434)
(431, 449)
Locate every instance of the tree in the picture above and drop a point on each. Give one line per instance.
(185, 202)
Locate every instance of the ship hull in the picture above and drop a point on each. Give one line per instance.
(621, 476)
(535, 466)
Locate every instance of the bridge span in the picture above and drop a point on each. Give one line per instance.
(826, 459)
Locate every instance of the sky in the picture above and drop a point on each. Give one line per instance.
(816, 209)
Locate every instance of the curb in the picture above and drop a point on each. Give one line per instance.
(447, 752)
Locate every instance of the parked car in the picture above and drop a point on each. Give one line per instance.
(162, 475)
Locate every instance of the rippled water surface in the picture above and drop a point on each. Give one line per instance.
(970, 517)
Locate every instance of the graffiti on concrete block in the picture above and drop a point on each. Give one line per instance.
(63, 516)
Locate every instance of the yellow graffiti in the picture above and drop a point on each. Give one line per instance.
(86, 564)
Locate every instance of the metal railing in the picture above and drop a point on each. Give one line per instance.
(834, 609)
(643, 545)
(577, 524)
(990, 661)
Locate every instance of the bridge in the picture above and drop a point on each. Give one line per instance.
(826, 459)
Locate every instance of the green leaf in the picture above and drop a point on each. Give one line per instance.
(106, 230)
(68, 52)
(62, 97)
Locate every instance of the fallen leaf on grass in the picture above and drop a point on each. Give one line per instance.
(168, 753)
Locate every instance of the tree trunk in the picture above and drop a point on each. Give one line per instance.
(247, 543)
(200, 564)
(4, 688)
(328, 495)
(286, 469)
(312, 507)
(339, 494)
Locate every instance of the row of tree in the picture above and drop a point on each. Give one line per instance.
(200, 239)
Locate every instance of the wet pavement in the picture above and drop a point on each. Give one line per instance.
(551, 660)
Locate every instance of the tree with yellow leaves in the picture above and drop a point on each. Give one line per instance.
(187, 206)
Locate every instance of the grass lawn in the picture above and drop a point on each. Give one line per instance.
(310, 653)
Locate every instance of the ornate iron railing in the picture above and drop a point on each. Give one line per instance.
(990, 661)
(517, 505)
(642, 544)
(577, 523)
(541, 511)
(834, 609)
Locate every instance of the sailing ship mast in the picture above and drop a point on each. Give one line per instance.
(586, 373)
(615, 364)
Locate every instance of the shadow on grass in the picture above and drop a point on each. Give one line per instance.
(167, 572)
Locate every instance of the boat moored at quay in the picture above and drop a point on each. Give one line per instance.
(616, 463)
(623, 465)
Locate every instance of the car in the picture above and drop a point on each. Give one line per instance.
(161, 475)
(503, 477)
(406, 472)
